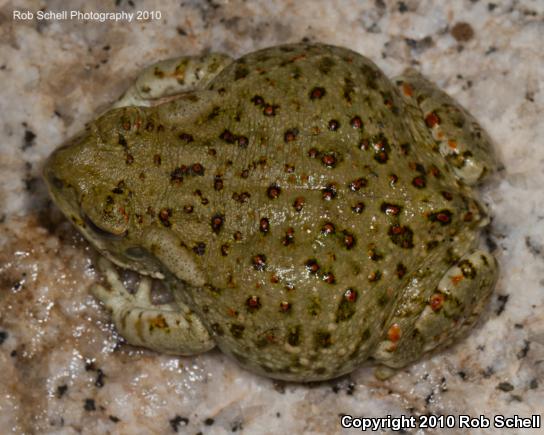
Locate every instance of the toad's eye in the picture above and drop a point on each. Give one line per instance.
(100, 232)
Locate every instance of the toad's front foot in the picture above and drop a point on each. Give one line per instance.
(168, 328)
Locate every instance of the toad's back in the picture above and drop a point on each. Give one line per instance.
(312, 209)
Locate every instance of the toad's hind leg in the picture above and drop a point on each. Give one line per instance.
(173, 76)
(461, 140)
(450, 309)
(166, 328)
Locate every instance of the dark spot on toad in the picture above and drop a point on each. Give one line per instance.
(264, 225)
(328, 228)
(349, 240)
(197, 169)
(401, 236)
(317, 93)
(346, 308)
(374, 276)
(419, 182)
(447, 195)
(436, 301)
(289, 236)
(218, 183)
(259, 262)
(240, 72)
(273, 191)
(329, 278)
(241, 197)
(199, 248)
(358, 184)
(329, 192)
(432, 245)
(467, 269)
(312, 266)
(358, 208)
(329, 160)
(405, 149)
(290, 135)
(443, 217)
(225, 250)
(242, 141)
(356, 122)
(322, 339)
(176, 176)
(381, 148)
(349, 89)
(298, 204)
(270, 110)
(334, 125)
(217, 222)
(164, 216)
(187, 138)
(293, 336)
(382, 300)
(214, 113)
(253, 303)
(415, 166)
(434, 171)
(285, 307)
(122, 141)
(432, 119)
(227, 136)
(401, 270)
(257, 100)
(373, 253)
(390, 209)
(325, 65)
(313, 153)
(237, 330)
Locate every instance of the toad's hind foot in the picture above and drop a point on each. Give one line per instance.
(461, 140)
(458, 300)
(172, 77)
(167, 328)
(451, 309)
